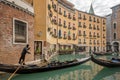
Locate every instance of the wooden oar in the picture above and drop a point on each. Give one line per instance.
(14, 72)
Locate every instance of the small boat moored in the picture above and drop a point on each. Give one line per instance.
(105, 63)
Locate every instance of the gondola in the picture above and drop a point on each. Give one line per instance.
(105, 63)
(102, 53)
(26, 69)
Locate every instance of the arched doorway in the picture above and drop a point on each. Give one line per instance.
(108, 48)
(37, 50)
(116, 46)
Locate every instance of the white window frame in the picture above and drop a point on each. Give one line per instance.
(14, 31)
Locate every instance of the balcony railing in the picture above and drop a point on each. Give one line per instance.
(60, 37)
(60, 24)
(74, 18)
(69, 27)
(69, 16)
(54, 35)
(79, 25)
(69, 38)
(60, 13)
(65, 26)
(74, 28)
(79, 17)
(65, 15)
(65, 38)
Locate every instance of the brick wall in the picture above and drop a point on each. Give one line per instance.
(9, 52)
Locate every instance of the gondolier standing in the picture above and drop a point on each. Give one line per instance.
(22, 58)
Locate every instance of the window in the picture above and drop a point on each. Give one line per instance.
(90, 26)
(79, 16)
(60, 33)
(114, 35)
(114, 25)
(19, 31)
(60, 22)
(94, 19)
(64, 23)
(79, 24)
(60, 11)
(90, 18)
(79, 32)
(64, 35)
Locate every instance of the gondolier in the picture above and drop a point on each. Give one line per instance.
(22, 58)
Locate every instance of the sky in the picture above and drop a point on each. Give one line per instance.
(101, 7)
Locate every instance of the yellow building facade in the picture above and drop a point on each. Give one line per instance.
(59, 26)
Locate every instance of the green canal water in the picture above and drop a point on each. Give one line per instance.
(86, 71)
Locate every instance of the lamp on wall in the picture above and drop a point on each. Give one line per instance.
(39, 33)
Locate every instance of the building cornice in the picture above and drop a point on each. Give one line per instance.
(115, 6)
(66, 4)
(12, 4)
(90, 14)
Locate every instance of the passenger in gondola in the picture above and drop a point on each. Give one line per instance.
(115, 60)
(24, 51)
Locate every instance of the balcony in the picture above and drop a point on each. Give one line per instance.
(84, 42)
(65, 38)
(104, 37)
(98, 43)
(74, 18)
(103, 23)
(60, 37)
(90, 43)
(79, 34)
(98, 28)
(69, 38)
(79, 25)
(84, 18)
(69, 17)
(90, 27)
(49, 29)
(54, 21)
(90, 35)
(94, 35)
(98, 36)
(65, 15)
(90, 19)
(94, 20)
(54, 35)
(65, 26)
(60, 24)
(74, 38)
(94, 28)
(84, 35)
(94, 43)
(84, 26)
(103, 29)
(80, 17)
(60, 12)
(55, 9)
(69, 27)
(98, 21)
(74, 28)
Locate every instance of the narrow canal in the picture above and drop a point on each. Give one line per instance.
(86, 71)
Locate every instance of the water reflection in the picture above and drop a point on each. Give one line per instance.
(73, 73)
(106, 73)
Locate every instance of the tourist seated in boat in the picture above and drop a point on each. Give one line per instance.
(115, 60)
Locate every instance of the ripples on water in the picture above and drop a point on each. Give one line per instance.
(86, 71)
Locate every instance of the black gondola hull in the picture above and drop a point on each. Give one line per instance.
(35, 68)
